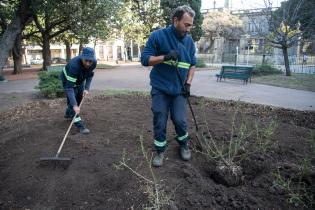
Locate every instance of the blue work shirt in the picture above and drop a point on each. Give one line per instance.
(164, 76)
(74, 74)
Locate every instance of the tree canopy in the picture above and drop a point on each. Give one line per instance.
(222, 24)
(169, 5)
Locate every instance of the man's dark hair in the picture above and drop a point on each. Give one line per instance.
(181, 10)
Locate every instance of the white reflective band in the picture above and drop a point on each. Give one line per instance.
(182, 137)
(77, 119)
(160, 144)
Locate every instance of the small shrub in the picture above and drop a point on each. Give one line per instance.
(239, 145)
(50, 84)
(155, 190)
(265, 69)
(297, 191)
(201, 63)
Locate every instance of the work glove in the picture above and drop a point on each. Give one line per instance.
(172, 55)
(186, 92)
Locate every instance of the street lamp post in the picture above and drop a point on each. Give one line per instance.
(236, 55)
(248, 45)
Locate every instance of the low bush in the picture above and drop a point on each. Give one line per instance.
(265, 69)
(201, 63)
(50, 84)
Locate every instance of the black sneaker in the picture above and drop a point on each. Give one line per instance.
(68, 117)
(84, 130)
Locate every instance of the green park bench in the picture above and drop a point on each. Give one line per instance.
(235, 72)
(55, 68)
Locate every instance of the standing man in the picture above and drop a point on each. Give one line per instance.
(76, 79)
(163, 48)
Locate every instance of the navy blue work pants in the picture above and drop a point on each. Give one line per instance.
(78, 92)
(162, 105)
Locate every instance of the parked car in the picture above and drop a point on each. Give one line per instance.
(36, 61)
(58, 60)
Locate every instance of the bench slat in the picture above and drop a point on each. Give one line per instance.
(235, 72)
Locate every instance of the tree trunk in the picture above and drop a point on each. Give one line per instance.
(95, 44)
(80, 47)
(7, 42)
(286, 61)
(46, 52)
(68, 50)
(15, 28)
(17, 55)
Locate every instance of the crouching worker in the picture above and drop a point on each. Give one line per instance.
(76, 79)
(164, 48)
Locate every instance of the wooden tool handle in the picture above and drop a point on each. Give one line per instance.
(64, 138)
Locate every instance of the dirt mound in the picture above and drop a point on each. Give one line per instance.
(96, 180)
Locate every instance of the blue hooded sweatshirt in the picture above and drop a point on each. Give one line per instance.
(163, 76)
(74, 74)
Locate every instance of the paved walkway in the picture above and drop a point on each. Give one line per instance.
(135, 77)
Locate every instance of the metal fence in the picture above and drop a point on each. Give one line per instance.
(298, 64)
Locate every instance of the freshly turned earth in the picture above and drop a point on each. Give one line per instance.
(94, 179)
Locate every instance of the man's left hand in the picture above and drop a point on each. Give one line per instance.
(85, 93)
(186, 92)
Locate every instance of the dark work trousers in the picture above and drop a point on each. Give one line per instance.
(78, 92)
(162, 105)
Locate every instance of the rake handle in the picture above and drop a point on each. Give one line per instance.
(190, 107)
(65, 137)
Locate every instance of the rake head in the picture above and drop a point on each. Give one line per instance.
(63, 162)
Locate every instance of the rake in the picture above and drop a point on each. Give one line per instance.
(65, 161)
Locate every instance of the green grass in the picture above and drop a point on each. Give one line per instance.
(112, 92)
(99, 66)
(296, 81)
(104, 66)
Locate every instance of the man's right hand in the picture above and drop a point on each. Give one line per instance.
(76, 109)
(172, 55)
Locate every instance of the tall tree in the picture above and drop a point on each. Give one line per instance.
(21, 17)
(67, 38)
(284, 26)
(94, 19)
(137, 19)
(17, 54)
(7, 10)
(148, 13)
(168, 7)
(305, 15)
(53, 18)
(221, 24)
(306, 19)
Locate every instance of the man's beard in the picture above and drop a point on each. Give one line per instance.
(181, 33)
